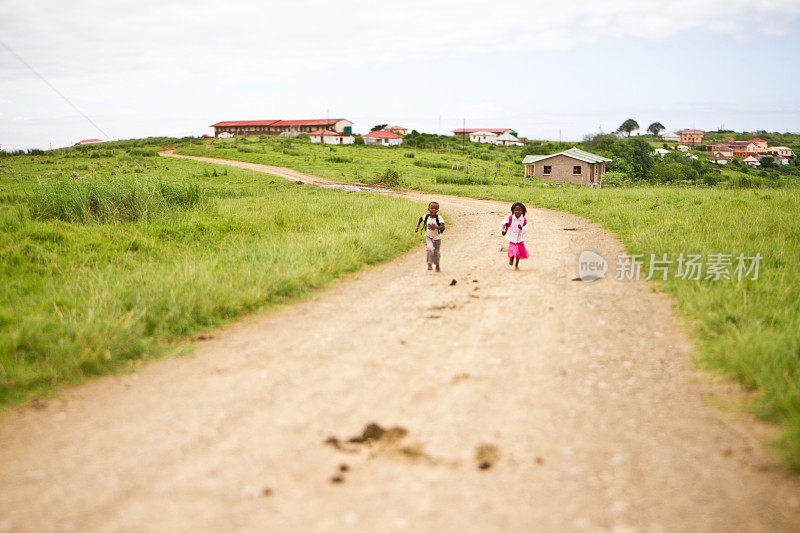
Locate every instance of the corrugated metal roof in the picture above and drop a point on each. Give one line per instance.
(574, 153)
(312, 122)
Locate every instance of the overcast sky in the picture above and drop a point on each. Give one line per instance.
(543, 68)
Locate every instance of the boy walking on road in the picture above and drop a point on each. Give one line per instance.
(433, 225)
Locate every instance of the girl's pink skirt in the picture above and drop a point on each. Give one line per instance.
(517, 249)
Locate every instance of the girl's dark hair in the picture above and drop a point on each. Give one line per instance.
(515, 204)
(433, 202)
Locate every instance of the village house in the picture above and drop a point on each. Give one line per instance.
(682, 148)
(465, 132)
(782, 151)
(661, 152)
(383, 138)
(671, 136)
(573, 166)
(752, 160)
(400, 130)
(246, 128)
(691, 136)
(506, 139)
(483, 137)
(330, 137)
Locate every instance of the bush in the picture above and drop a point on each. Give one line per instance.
(359, 141)
(110, 200)
(338, 159)
(431, 164)
(614, 179)
(462, 180)
(143, 152)
(409, 155)
(389, 178)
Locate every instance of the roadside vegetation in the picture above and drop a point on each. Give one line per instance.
(93, 294)
(108, 260)
(748, 329)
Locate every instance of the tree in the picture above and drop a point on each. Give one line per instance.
(359, 141)
(767, 162)
(628, 126)
(378, 127)
(655, 128)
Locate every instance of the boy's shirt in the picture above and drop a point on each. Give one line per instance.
(432, 233)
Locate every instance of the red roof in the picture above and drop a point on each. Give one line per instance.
(757, 140)
(89, 141)
(474, 130)
(313, 122)
(383, 134)
(395, 128)
(323, 132)
(691, 131)
(244, 123)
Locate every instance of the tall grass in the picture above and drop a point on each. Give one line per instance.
(110, 200)
(82, 299)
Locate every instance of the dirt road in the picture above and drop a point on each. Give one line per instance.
(399, 401)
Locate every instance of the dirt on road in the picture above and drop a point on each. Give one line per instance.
(398, 400)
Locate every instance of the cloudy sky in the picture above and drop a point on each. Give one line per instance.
(545, 68)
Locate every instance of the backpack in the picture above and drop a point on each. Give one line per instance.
(508, 224)
(425, 222)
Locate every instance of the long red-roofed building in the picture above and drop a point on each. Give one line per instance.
(464, 132)
(246, 128)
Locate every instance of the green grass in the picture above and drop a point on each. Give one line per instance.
(89, 294)
(746, 329)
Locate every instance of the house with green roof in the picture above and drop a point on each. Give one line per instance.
(572, 166)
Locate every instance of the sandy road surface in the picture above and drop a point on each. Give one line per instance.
(510, 401)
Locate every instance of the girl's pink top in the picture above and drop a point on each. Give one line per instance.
(514, 234)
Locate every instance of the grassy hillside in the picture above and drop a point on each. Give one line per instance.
(747, 329)
(109, 260)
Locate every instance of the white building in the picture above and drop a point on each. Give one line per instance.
(671, 136)
(330, 137)
(752, 161)
(383, 138)
(661, 152)
(682, 148)
(507, 139)
(483, 137)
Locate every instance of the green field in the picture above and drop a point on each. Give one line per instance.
(202, 244)
(747, 329)
(124, 259)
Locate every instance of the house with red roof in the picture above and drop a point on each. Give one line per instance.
(246, 128)
(330, 137)
(691, 136)
(383, 138)
(400, 130)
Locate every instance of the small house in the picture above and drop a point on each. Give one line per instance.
(467, 132)
(691, 136)
(506, 139)
(671, 136)
(682, 148)
(483, 137)
(383, 138)
(661, 152)
(752, 161)
(400, 130)
(330, 137)
(573, 166)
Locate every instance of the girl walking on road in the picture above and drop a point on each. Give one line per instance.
(514, 228)
(433, 226)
